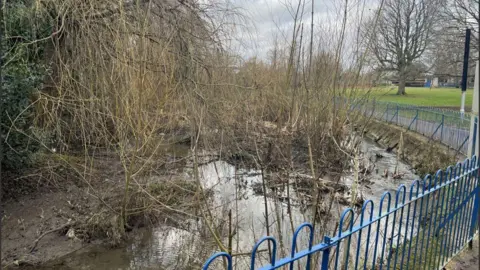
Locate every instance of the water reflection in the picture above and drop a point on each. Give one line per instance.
(167, 247)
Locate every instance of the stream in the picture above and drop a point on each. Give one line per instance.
(168, 247)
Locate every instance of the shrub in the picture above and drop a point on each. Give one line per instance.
(23, 73)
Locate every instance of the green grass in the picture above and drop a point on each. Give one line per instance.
(435, 97)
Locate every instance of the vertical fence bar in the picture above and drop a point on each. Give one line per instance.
(471, 201)
(476, 207)
(380, 210)
(406, 226)
(441, 219)
(426, 187)
(397, 114)
(349, 241)
(340, 230)
(463, 204)
(436, 196)
(416, 123)
(447, 224)
(326, 253)
(362, 218)
(453, 215)
(369, 230)
(474, 139)
(387, 112)
(401, 190)
(374, 108)
(419, 226)
(397, 251)
(415, 183)
(294, 243)
(449, 217)
(458, 190)
(385, 229)
(464, 207)
(214, 257)
(441, 131)
(413, 120)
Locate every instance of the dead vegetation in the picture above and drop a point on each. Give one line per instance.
(132, 78)
(424, 157)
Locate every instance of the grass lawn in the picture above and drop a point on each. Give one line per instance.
(435, 97)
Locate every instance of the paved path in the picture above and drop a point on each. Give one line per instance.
(468, 259)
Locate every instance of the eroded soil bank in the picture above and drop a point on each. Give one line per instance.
(424, 155)
(56, 212)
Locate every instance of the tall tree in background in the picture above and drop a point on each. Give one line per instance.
(403, 33)
(462, 14)
(447, 50)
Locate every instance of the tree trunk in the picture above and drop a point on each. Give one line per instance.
(401, 85)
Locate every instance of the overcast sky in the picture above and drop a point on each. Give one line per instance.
(270, 19)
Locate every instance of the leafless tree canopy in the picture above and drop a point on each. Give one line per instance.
(461, 14)
(447, 49)
(404, 30)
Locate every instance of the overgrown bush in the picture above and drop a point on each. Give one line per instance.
(24, 71)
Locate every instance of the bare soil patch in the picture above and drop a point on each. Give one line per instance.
(55, 212)
(468, 259)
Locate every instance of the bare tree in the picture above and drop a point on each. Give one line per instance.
(462, 14)
(447, 49)
(402, 36)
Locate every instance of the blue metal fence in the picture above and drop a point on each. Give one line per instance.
(445, 126)
(419, 227)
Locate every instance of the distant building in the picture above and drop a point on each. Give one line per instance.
(412, 83)
(435, 81)
(446, 80)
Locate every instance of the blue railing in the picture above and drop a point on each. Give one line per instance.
(445, 126)
(420, 231)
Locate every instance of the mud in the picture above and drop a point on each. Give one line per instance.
(56, 213)
(24, 221)
(467, 259)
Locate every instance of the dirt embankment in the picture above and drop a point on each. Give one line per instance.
(424, 155)
(63, 206)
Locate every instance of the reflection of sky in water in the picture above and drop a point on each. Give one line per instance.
(166, 247)
(250, 218)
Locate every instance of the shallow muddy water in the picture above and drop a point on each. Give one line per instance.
(167, 247)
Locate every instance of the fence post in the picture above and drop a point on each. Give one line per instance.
(397, 114)
(416, 122)
(387, 112)
(326, 253)
(474, 139)
(441, 131)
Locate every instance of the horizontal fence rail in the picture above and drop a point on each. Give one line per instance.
(445, 126)
(419, 227)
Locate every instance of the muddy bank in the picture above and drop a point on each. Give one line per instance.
(424, 155)
(62, 206)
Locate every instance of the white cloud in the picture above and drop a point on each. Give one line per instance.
(270, 19)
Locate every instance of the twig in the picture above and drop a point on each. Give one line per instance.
(35, 243)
